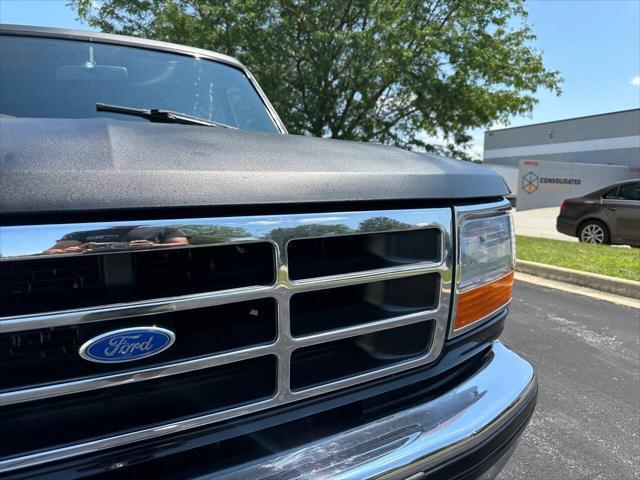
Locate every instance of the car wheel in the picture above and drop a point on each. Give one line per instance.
(594, 231)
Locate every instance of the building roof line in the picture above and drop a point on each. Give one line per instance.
(563, 120)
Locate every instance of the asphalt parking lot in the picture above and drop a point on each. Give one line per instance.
(587, 356)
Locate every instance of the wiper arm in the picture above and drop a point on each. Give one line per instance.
(160, 115)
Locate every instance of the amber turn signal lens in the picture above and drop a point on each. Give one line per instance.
(477, 303)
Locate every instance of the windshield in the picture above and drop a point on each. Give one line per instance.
(46, 77)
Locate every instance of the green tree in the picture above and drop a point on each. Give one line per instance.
(304, 231)
(381, 224)
(395, 72)
(206, 234)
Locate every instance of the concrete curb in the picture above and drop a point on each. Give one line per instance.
(604, 283)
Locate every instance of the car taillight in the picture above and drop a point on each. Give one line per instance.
(564, 205)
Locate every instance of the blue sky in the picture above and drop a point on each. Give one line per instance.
(594, 43)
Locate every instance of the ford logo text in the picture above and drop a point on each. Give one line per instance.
(127, 344)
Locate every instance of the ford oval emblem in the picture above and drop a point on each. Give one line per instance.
(127, 344)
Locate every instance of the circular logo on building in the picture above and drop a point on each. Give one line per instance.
(530, 182)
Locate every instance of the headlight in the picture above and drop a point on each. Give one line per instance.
(485, 267)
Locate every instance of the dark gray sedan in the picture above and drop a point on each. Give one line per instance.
(610, 215)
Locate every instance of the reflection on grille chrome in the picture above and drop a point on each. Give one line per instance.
(278, 230)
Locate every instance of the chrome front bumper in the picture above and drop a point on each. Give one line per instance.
(420, 439)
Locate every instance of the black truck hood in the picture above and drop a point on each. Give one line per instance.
(62, 165)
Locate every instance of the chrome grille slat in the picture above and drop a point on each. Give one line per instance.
(209, 299)
(259, 229)
(337, 334)
(132, 309)
(112, 380)
(366, 276)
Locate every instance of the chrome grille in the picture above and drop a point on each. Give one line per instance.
(379, 276)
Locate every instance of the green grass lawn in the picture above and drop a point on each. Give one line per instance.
(602, 259)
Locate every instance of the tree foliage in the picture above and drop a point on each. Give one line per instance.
(206, 234)
(398, 72)
(310, 230)
(381, 224)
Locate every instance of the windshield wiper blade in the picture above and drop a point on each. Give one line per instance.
(160, 115)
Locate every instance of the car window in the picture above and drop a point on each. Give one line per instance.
(630, 191)
(611, 193)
